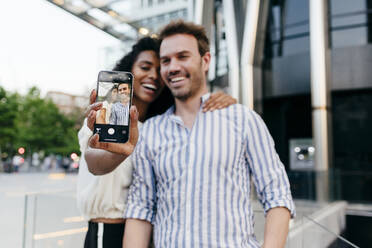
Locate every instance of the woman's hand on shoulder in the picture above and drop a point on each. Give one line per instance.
(218, 100)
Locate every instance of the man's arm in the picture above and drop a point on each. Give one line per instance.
(276, 227)
(141, 202)
(137, 233)
(271, 181)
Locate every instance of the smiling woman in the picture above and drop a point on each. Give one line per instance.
(102, 199)
(149, 94)
(145, 68)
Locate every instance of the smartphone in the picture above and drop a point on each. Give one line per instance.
(115, 91)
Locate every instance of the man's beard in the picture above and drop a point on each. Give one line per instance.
(182, 94)
(123, 98)
(192, 88)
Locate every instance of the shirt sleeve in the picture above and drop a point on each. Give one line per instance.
(112, 120)
(83, 135)
(142, 194)
(84, 176)
(268, 172)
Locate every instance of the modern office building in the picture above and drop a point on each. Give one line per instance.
(68, 103)
(287, 94)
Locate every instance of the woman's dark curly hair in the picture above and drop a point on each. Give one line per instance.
(165, 99)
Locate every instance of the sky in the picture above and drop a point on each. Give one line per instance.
(42, 45)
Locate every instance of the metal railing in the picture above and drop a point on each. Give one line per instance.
(52, 220)
(317, 225)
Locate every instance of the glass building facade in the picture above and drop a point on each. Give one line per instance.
(287, 106)
(286, 90)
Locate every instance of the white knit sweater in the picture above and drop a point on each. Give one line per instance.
(101, 196)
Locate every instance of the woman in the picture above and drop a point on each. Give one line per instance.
(102, 199)
(103, 115)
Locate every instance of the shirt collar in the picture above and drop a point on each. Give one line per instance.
(172, 116)
(204, 98)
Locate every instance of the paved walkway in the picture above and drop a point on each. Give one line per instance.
(56, 216)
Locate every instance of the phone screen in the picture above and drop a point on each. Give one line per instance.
(114, 90)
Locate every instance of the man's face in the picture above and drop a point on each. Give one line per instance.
(124, 92)
(124, 89)
(182, 67)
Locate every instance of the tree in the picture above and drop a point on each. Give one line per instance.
(42, 127)
(37, 124)
(8, 117)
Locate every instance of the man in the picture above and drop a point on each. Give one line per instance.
(192, 170)
(120, 110)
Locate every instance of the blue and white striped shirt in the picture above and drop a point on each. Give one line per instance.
(193, 185)
(119, 114)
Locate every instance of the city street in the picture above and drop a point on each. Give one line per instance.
(51, 219)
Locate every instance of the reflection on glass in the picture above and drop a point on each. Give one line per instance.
(115, 100)
(349, 37)
(288, 28)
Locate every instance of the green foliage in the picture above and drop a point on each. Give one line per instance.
(8, 116)
(36, 124)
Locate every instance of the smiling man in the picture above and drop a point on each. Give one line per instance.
(193, 170)
(120, 110)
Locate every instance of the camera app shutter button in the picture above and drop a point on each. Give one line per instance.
(111, 131)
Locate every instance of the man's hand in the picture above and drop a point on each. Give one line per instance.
(123, 149)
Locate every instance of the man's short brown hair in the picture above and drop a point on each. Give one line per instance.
(182, 27)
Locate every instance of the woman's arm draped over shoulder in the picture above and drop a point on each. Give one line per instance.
(218, 100)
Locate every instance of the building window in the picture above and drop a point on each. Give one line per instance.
(350, 22)
(288, 28)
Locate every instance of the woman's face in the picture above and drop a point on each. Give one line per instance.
(114, 94)
(147, 83)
